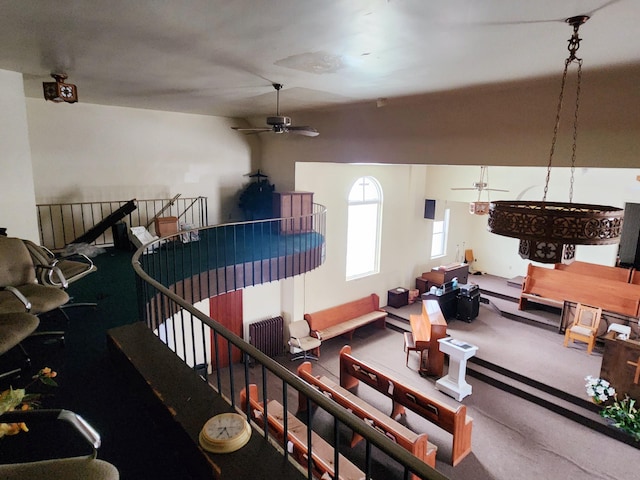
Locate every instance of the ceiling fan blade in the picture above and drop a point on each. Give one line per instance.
(307, 131)
(495, 189)
(279, 123)
(464, 188)
(252, 130)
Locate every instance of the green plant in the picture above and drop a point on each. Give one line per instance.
(623, 413)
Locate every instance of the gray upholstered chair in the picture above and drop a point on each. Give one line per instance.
(58, 272)
(14, 328)
(301, 341)
(19, 289)
(73, 468)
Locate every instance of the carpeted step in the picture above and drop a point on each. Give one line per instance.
(577, 409)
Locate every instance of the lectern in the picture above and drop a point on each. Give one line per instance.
(454, 383)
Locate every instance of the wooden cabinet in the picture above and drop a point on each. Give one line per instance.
(295, 209)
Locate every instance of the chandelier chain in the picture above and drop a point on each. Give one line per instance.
(575, 130)
(574, 45)
(549, 231)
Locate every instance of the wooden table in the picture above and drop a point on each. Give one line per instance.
(427, 328)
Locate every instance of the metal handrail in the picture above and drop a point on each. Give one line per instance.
(384, 444)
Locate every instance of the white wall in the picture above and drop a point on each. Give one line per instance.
(260, 302)
(498, 255)
(84, 152)
(405, 238)
(17, 202)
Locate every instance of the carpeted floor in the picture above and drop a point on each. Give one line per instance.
(512, 437)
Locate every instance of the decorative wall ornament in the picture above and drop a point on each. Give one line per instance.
(549, 231)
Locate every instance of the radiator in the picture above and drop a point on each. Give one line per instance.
(268, 336)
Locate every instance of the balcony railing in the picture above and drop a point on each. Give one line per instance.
(176, 272)
(62, 223)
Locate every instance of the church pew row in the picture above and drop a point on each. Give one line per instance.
(322, 453)
(554, 286)
(453, 420)
(415, 443)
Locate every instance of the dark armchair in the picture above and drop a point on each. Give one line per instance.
(19, 289)
(14, 328)
(68, 468)
(58, 272)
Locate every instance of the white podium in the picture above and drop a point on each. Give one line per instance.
(454, 383)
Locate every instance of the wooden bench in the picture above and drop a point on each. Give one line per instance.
(554, 286)
(415, 443)
(322, 453)
(453, 420)
(345, 318)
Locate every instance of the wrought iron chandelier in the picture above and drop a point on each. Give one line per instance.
(549, 231)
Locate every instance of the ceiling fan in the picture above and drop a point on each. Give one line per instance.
(483, 184)
(279, 123)
(479, 207)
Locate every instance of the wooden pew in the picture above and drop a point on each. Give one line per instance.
(415, 443)
(322, 453)
(452, 420)
(554, 286)
(345, 318)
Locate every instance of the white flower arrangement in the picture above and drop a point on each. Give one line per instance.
(598, 389)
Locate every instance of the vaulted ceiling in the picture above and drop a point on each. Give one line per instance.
(220, 57)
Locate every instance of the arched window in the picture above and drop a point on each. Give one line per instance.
(363, 231)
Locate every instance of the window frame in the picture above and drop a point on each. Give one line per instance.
(443, 235)
(365, 201)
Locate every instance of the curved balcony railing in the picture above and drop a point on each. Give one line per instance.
(176, 272)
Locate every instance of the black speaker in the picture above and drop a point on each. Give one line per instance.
(430, 209)
(468, 307)
(629, 250)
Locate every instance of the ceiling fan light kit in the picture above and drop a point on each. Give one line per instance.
(60, 91)
(279, 123)
(549, 231)
(479, 207)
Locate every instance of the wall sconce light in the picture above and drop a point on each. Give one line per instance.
(59, 91)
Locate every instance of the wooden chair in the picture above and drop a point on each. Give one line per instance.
(409, 345)
(469, 258)
(585, 326)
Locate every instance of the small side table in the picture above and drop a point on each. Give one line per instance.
(398, 297)
(454, 383)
